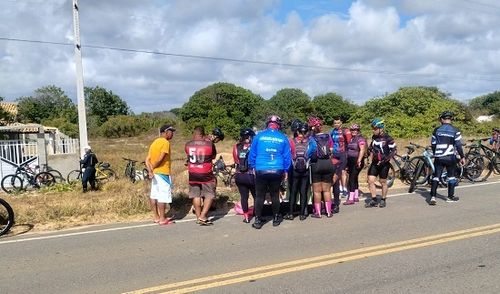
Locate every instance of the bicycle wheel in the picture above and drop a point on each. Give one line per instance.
(74, 176)
(459, 172)
(57, 175)
(478, 168)
(12, 184)
(425, 173)
(45, 179)
(391, 176)
(105, 175)
(6, 217)
(406, 173)
(416, 176)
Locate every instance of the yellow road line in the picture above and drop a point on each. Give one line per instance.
(319, 261)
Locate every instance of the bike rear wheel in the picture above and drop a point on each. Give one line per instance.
(478, 168)
(6, 217)
(12, 184)
(45, 179)
(416, 176)
(391, 177)
(74, 176)
(105, 175)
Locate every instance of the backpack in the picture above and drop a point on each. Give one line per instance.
(323, 146)
(300, 157)
(243, 158)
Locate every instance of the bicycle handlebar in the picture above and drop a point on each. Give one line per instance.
(128, 159)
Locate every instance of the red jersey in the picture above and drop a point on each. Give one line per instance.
(200, 154)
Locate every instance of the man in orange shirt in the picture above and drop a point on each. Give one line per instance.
(158, 164)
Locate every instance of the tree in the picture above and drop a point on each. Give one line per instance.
(223, 105)
(489, 103)
(290, 104)
(5, 117)
(103, 103)
(330, 105)
(413, 111)
(48, 103)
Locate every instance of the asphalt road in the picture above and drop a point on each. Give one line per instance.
(407, 247)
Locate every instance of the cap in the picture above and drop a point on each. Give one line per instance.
(87, 148)
(167, 128)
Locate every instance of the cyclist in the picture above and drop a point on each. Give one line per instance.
(200, 153)
(382, 149)
(340, 137)
(299, 171)
(445, 143)
(217, 135)
(158, 164)
(322, 168)
(270, 156)
(88, 164)
(244, 177)
(495, 139)
(356, 150)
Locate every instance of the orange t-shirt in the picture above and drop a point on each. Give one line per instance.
(159, 146)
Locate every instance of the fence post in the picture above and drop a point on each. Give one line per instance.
(42, 148)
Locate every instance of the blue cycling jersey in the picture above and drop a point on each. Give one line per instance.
(446, 141)
(270, 151)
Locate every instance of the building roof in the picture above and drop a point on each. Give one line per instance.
(10, 107)
(26, 128)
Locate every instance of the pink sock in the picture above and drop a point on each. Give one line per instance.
(352, 196)
(356, 195)
(328, 207)
(317, 208)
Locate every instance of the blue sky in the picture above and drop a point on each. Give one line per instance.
(357, 49)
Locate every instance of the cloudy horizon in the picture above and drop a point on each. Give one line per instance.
(357, 49)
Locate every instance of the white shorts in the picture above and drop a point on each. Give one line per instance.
(161, 188)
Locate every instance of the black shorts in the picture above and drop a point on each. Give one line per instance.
(322, 171)
(380, 170)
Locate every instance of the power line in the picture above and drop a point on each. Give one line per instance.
(258, 62)
(482, 4)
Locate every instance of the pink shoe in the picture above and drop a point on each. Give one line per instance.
(349, 202)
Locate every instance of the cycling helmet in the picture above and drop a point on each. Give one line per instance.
(303, 128)
(274, 119)
(218, 133)
(295, 125)
(378, 123)
(446, 115)
(355, 127)
(247, 133)
(314, 122)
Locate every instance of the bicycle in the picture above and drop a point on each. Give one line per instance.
(477, 147)
(6, 217)
(224, 172)
(405, 167)
(103, 174)
(24, 177)
(424, 168)
(131, 173)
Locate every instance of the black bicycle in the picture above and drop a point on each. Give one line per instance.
(103, 174)
(6, 217)
(224, 172)
(132, 174)
(25, 177)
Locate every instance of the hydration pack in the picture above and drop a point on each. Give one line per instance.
(323, 146)
(300, 157)
(243, 158)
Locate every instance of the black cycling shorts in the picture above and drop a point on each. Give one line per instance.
(322, 171)
(380, 170)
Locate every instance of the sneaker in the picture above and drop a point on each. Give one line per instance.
(432, 201)
(336, 209)
(302, 217)
(288, 216)
(277, 220)
(257, 223)
(382, 203)
(344, 194)
(372, 203)
(452, 199)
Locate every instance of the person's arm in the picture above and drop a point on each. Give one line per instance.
(459, 148)
(252, 156)
(287, 156)
(149, 166)
(235, 154)
(362, 150)
(164, 152)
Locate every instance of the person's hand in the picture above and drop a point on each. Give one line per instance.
(150, 174)
(285, 176)
(358, 164)
(462, 161)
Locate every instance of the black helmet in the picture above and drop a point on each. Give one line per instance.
(303, 128)
(247, 133)
(446, 115)
(218, 133)
(295, 125)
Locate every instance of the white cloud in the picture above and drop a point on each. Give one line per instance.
(453, 45)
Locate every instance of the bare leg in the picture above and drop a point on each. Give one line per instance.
(385, 188)
(154, 210)
(206, 207)
(327, 191)
(371, 186)
(197, 206)
(161, 211)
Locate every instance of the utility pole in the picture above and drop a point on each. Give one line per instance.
(82, 116)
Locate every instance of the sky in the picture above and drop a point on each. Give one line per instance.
(173, 48)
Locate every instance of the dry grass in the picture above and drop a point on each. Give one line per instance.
(64, 206)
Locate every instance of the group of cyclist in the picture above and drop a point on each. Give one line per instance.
(311, 158)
